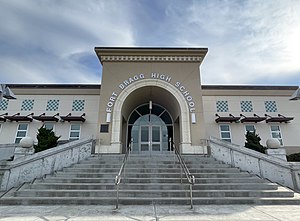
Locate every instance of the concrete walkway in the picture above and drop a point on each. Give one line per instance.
(152, 212)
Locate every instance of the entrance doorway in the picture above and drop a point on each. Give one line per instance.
(150, 129)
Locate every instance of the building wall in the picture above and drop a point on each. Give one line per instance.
(289, 131)
(211, 95)
(63, 105)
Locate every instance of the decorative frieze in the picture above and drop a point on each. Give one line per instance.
(152, 58)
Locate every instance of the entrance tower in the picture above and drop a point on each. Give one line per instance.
(150, 95)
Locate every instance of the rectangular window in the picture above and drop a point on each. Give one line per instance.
(225, 132)
(250, 128)
(276, 133)
(21, 132)
(74, 132)
(49, 126)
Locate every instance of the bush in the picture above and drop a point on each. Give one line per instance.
(253, 142)
(46, 139)
(295, 157)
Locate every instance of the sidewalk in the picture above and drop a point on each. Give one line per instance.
(151, 212)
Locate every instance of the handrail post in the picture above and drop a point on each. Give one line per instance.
(190, 178)
(117, 205)
(180, 174)
(121, 171)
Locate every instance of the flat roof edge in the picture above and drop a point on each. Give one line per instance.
(249, 87)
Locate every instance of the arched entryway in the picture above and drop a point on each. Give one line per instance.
(162, 94)
(150, 126)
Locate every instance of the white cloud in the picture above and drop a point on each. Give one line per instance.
(249, 41)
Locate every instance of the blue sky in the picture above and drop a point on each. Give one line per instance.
(52, 41)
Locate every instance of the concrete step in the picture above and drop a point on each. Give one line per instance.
(153, 180)
(148, 175)
(147, 180)
(150, 170)
(152, 165)
(145, 201)
(155, 186)
(151, 193)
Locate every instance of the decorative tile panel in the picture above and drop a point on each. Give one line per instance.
(3, 104)
(52, 105)
(222, 106)
(270, 106)
(78, 105)
(27, 105)
(246, 106)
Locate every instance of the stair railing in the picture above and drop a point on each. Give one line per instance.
(190, 178)
(121, 171)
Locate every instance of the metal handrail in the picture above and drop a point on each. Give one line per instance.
(119, 176)
(191, 178)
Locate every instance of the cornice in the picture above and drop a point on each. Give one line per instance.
(151, 58)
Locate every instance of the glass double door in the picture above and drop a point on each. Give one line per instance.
(149, 135)
(150, 138)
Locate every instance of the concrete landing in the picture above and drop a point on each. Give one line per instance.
(151, 212)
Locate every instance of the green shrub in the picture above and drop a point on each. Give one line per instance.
(253, 142)
(46, 139)
(295, 157)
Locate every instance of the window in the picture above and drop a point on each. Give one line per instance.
(225, 132)
(74, 132)
(222, 106)
(27, 105)
(276, 133)
(3, 104)
(78, 105)
(250, 128)
(49, 126)
(52, 105)
(21, 132)
(246, 106)
(270, 106)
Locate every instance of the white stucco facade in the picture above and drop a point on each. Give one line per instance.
(168, 78)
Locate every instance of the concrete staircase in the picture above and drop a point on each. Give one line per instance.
(149, 180)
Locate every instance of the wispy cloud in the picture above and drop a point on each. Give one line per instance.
(250, 42)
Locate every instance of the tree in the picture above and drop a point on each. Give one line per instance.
(253, 142)
(46, 139)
